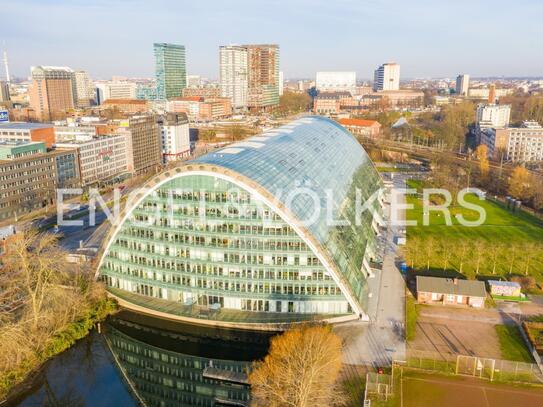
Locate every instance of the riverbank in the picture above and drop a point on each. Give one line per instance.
(13, 381)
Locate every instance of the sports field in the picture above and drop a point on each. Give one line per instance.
(420, 390)
(506, 243)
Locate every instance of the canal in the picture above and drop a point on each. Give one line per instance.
(137, 360)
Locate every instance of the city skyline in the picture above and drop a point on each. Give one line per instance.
(304, 31)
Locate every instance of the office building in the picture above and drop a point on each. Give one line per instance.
(52, 92)
(174, 129)
(145, 140)
(30, 175)
(330, 103)
(4, 92)
(336, 82)
(228, 239)
(65, 133)
(24, 132)
(201, 109)
(146, 92)
(102, 158)
(387, 77)
(233, 75)
(170, 70)
(84, 89)
(462, 84)
(517, 144)
(115, 90)
(493, 116)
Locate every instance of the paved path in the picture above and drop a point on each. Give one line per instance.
(382, 340)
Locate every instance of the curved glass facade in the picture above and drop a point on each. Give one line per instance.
(244, 234)
(161, 376)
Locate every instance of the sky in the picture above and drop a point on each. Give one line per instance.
(428, 38)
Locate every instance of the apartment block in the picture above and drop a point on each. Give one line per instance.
(233, 75)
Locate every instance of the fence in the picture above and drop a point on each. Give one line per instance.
(484, 368)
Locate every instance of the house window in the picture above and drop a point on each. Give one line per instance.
(450, 297)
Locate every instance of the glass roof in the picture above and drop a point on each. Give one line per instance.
(318, 155)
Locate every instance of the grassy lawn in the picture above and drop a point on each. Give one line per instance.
(411, 316)
(512, 345)
(505, 244)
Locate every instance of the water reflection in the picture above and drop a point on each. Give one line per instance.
(187, 365)
(140, 360)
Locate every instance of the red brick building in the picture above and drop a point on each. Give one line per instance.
(361, 127)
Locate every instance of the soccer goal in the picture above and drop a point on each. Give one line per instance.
(475, 366)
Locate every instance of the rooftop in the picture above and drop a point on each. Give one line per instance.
(333, 95)
(318, 155)
(451, 286)
(24, 126)
(504, 283)
(358, 122)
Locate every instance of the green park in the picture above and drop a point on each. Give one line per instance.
(508, 244)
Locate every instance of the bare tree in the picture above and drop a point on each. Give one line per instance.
(300, 370)
(36, 266)
(479, 249)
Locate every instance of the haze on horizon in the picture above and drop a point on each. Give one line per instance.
(428, 38)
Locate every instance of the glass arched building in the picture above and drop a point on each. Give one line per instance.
(277, 228)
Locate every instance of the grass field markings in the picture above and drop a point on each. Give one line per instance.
(495, 387)
(486, 398)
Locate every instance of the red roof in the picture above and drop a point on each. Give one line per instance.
(359, 122)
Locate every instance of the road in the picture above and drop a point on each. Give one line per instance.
(73, 235)
(382, 339)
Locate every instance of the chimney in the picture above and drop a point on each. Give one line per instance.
(492, 94)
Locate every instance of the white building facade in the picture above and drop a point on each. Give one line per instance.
(336, 81)
(462, 84)
(116, 90)
(493, 116)
(84, 89)
(387, 77)
(233, 75)
(102, 157)
(175, 134)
